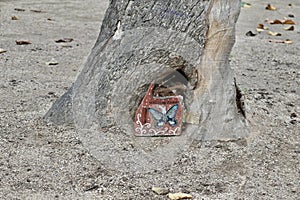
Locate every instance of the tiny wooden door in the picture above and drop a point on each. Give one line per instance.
(159, 116)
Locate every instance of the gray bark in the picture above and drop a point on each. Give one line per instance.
(181, 44)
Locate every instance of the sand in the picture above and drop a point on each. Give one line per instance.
(43, 161)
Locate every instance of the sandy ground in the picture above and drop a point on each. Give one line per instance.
(40, 161)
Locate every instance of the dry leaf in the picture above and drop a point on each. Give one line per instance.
(270, 7)
(52, 63)
(2, 50)
(19, 9)
(274, 33)
(261, 27)
(287, 41)
(276, 41)
(37, 11)
(291, 28)
(288, 21)
(15, 18)
(276, 21)
(249, 33)
(22, 42)
(63, 40)
(178, 196)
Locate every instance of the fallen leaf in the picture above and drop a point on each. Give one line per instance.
(291, 28)
(52, 62)
(2, 51)
(261, 27)
(37, 11)
(14, 18)
(63, 40)
(245, 5)
(288, 21)
(276, 21)
(293, 115)
(287, 41)
(250, 34)
(276, 41)
(22, 42)
(270, 7)
(160, 191)
(274, 33)
(19, 9)
(178, 196)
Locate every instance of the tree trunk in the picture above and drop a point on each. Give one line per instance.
(184, 44)
(178, 44)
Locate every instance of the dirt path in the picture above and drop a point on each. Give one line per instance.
(39, 161)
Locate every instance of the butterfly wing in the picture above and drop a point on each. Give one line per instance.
(158, 116)
(171, 115)
(155, 114)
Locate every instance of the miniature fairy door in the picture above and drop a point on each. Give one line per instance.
(159, 116)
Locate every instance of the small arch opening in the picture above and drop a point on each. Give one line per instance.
(175, 83)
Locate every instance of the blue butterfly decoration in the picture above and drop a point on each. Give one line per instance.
(164, 117)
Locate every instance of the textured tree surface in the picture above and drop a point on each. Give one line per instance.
(184, 47)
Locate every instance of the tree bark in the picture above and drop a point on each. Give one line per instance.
(179, 44)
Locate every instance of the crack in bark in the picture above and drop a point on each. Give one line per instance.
(239, 100)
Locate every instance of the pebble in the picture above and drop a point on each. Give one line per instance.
(160, 191)
(178, 196)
